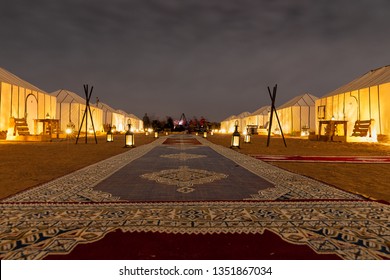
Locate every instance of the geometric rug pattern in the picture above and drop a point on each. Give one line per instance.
(55, 217)
(350, 229)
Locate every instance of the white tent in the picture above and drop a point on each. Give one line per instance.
(22, 100)
(113, 118)
(260, 117)
(136, 123)
(296, 115)
(242, 121)
(70, 111)
(365, 99)
(227, 125)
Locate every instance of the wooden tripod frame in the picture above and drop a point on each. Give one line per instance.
(85, 116)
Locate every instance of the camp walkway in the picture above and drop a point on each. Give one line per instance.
(185, 189)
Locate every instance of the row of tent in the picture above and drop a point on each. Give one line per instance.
(20, 100)
(365, 99)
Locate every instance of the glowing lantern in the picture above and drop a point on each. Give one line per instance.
(129, 136)
(69, 129)
(110, 135)
(205, 134)
(235, 143)
(247, 137)
(156, 134)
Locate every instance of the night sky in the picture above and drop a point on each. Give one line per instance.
(210, 58)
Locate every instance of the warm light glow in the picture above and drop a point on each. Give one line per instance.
(247, 138)
(205, 134)
(68, 130)
(374, 135)
(155, 134)
(305, 133)
(223, 130)
(129, 139)
(110, 137)
(236, 141)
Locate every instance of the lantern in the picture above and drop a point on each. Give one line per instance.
(235, 143)
(247, 137)
(110, 135)
(205, 134)
(156, 134)
(129, 136)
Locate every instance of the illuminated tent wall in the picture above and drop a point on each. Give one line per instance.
(119, 120)
(365, 98)
(71, 108)
(136, 123)
(112, 117)
(296, 115)
(107, 114)
(242, 121)
(227, 125)
(20, 99)
(260, 117)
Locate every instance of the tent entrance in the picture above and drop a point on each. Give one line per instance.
(31, 111)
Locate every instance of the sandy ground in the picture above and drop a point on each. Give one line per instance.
(27, 164)
(24, 165)
(369, 180)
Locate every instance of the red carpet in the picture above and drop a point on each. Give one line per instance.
(335, 159)
(145, 246)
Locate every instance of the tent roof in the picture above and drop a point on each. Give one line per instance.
(66, 96)
(127, 115)
(12, 79)
(243, 115)
(134, 117)
(230, 118)
(104, 106)
(301, 100)
(371, 78)
(119, 111)
(262, 111)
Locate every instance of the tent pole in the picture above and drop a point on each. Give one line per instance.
(271, 117)
(273, 98)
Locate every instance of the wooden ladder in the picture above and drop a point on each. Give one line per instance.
(21, 127)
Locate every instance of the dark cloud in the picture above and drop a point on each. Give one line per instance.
(211, 58)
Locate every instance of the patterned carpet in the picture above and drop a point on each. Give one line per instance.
(188, 188)
(343, 159)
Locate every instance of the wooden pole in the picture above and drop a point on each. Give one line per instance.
(85, 116)
(273, 108)
(86, 113)
(271, 117)
(90, 113)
